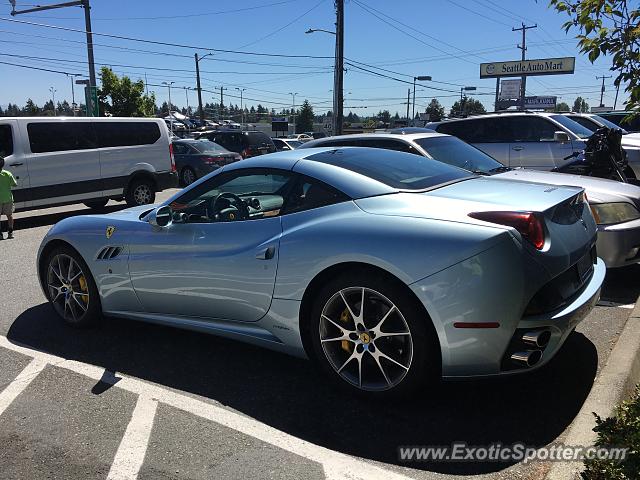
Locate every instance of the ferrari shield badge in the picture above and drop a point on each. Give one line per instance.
(110, 231)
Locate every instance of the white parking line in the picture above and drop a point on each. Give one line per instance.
(607, 303)
(133, 447)
(336, 465)
(22, 381)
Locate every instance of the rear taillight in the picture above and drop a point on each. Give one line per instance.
(529, 224)
(213, 160)
(173, 160)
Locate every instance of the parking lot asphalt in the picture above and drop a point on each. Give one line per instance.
(128, 398)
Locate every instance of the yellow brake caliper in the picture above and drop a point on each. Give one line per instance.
(85, 290)
(346, 345)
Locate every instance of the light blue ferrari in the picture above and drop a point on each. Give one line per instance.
(386, 269)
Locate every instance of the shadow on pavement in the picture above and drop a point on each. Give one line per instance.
(621, 284)
(34, 220)
(288, 394)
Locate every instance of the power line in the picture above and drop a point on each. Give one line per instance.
(478, 13)
(166, 44)
(41, 69)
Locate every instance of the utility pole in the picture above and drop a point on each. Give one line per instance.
(293, 105)
(73, 94)
(408, 103)
(338, 99)
(615, 102)
(602, 89)
(523, 47)
(221, 110)
(87, 19)
(422, 78)
(168, 84)
(186, 94)
(495, 105)
(200, 110)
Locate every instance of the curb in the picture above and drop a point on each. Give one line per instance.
(615, 382)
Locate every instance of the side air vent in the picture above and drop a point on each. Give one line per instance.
(107, 253)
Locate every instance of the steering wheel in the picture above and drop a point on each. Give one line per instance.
(235, 208)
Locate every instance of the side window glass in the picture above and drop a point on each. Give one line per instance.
(126, 134)
(6, 141)
(532, 129)
(180, 149)
(60, 136)
(309, 193)
(239, 195)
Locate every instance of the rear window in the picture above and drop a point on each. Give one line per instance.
(207, 146)
(6, 141)
(126, 134)
(399, 170)
(258, 138)
(453, 151)
(60, 136)
(573, 127)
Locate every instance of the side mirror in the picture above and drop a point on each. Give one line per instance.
(161, 216)
(561, 137)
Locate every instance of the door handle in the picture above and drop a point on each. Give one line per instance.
(517, 149)
(15, 164)
(266, 253)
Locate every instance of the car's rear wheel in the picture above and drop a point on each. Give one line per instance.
(369, 335)
(188, 176)
(71, 289)
(140, 192)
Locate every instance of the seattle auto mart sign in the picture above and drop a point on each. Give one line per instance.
(543, 66)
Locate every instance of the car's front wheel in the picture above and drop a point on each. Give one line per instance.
(140, 192)
(369, 334)
(71, 288)
(188, 176)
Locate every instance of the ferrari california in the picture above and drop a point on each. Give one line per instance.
(386, 269)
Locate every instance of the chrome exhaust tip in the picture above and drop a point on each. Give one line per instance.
(528, 358)
(538, 339)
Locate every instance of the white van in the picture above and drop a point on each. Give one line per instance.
(64, 160)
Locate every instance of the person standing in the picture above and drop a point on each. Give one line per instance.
(7, 182)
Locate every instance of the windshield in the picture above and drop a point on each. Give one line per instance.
(453, 151)
(609, 124)
(404, 171)
(574, 127)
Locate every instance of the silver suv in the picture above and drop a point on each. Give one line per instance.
(540, 141)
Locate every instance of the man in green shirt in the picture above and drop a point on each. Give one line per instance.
(7, 182)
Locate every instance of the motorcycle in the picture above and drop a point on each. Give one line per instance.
(602, 157)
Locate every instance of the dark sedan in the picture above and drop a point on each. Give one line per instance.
(196, 158)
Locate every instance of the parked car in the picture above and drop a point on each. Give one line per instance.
(592, 121)
(616, 205)
(315, 135)
(301, 137)
(619, 118)
(197, 158)
(175, 125)
(387, 269)
(537, 140)
(230, 124)
(65, 160)
(285, 144)
(248, 144)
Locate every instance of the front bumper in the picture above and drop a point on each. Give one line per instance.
(619, 245)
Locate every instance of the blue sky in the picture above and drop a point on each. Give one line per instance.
(446, 39)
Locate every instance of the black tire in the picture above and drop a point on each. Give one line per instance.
(188, 176)
(422, 367)
(82, 291)
(140, 191)
(97, 204)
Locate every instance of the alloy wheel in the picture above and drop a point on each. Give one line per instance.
(366, 339)
(68, 288)
(142, 194)
(188, 176)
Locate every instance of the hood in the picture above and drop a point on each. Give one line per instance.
(599, 190)
(129, 213)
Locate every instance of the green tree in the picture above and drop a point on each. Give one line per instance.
(580, 106)
(608, 27)
(304, 120)
(469, 106)
(562, 107)
(435, 110)
(120, 97)
(31, 109)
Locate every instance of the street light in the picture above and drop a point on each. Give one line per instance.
(464, 89)
(241, 106)
(168, 84)
(53, 99)
(421, 79)
(200, 111)
(294, 110)
(338, 66)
